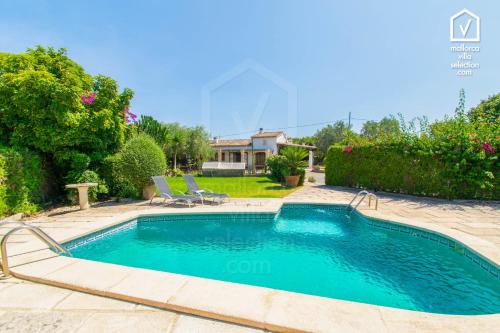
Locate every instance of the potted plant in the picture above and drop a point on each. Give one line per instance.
(295, 158)
(277, 166)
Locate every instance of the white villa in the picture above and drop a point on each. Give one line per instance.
(254, 151)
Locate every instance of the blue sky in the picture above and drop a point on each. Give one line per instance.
(267, 63)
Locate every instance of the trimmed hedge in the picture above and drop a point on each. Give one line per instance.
(392, 170)
(118, 186)
(22, 181)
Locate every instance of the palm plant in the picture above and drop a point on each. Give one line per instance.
(295, 157)
(154, 129)
(176, 141)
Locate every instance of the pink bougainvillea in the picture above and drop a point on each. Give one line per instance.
(129, 116)
(88, 99)
(489, 148)
(347, 149)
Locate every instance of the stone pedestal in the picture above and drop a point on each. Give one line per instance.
(83, 193)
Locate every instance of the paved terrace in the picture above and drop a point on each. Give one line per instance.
(27, 306)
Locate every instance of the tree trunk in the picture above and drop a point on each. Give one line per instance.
(175, 161)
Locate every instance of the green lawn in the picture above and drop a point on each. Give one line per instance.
(236, 187)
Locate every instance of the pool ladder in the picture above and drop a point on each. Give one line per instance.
(36, 231)
(364, 194)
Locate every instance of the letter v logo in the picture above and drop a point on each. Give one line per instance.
(467, 26)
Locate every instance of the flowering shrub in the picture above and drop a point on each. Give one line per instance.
(489, 148)
(51, 106)
(347, 149)
(129, 116)
(453, 158)
(435, 169)
(88, 99)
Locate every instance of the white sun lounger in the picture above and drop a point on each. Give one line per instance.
(167, 194)
(204, 194)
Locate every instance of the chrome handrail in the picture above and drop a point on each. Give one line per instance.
(370, 196)
(11, 221)
(357, 195)
(36, 231)
(364, 194)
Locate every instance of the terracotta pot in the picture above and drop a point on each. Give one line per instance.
(148, 192)
(292, 181)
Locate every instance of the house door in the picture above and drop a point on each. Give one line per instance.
(260, 160)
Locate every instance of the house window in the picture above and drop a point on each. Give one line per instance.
(264, 142)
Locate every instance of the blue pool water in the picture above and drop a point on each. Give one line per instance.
(311, 249)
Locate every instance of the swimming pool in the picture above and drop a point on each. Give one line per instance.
(311, 249)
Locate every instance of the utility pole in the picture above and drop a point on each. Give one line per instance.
(349, 124)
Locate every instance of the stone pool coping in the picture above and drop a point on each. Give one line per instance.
(259, 307)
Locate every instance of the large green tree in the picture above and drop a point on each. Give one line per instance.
(198, 147)
(187, 145)
(487, 111)
(387, 127)
(49, 104)
(330, 135)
